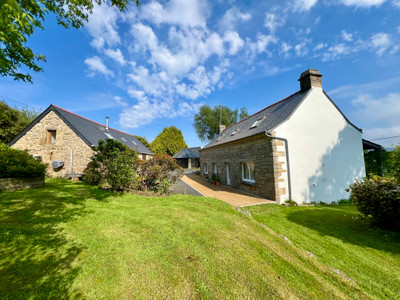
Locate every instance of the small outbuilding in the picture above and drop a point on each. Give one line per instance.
(188, 158)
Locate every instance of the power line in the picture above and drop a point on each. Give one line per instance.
(9, 99)
(388, 137)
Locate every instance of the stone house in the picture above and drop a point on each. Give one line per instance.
(188, 158)
(65, 141)
(301, 148)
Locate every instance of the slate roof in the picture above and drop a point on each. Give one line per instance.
(89, 131)
(270, 117)
(188, 153)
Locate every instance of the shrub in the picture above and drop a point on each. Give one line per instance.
(291, 202)
(19, 164)
(158, 173)
(114, 165)
(379, 199)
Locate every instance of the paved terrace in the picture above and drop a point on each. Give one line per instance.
(231, 196)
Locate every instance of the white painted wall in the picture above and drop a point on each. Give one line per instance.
(325, 152)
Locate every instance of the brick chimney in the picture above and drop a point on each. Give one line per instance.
(221, 128)
(310, 78)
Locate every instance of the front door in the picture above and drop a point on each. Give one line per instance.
(228, 178)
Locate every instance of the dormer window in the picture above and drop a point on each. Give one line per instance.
(256, 123)
(51, 136)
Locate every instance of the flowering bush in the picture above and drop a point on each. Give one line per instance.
(158, 173)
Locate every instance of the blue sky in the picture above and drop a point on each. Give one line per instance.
(155, 65)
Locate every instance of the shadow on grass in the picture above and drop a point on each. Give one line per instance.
(36, 256)
(347, 226)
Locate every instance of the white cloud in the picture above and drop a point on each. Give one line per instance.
(274, 21)
(348, 37)
(95, 64)
(334, 52)
(116, 55)
(302, 5)
(234, 40)
(386, 109)
(362, 3)
(190, 13)
(102, 26)
(119, 101)
(396, 3)
(231, 17)
(381, 42)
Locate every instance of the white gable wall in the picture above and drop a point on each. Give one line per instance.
(325, 152)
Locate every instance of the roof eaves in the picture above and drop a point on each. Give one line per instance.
(348, 121)
(78, 133)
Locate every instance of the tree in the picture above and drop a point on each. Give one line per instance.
(143, 141)
(170, 141)
(19, 19)
(394, 164)
(13, 121)
(206, 122)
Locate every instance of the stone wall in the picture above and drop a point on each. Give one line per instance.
(14, 184)
(264, 152)
(36, 142)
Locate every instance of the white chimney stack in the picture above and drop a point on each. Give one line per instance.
(107, 119)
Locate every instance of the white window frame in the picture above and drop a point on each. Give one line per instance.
(205, 166)
(215, 169)
(248, 164)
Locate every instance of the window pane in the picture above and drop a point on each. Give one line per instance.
(52, 137)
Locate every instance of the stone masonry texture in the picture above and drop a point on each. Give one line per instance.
(36, 142)
(258, 149)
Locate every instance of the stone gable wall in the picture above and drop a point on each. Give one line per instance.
(36, 142)
(267, 164)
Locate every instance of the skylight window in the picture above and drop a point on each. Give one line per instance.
(133, 142)
(220, 137)
(122, 138)
(258, 122)
(109, 135)
(233, 133)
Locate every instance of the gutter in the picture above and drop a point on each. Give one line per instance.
(287, 160)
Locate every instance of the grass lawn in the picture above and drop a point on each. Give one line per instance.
(70, 240)
(341, 239)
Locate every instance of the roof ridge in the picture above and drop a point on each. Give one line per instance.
(263, 109)
(67, 111)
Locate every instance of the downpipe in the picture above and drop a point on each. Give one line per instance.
(287, 160)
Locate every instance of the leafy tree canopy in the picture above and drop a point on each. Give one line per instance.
(20, 18)
(13, 121)
(206, 122)
(170, 141)
(144, 141)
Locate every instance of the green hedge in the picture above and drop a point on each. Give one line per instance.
(18, 164)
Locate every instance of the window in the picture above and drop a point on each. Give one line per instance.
(133, 142)
(52, 136)
(205, 168)
(258, 122)
(215, 169)
(220, 137)
(109, 135)
(248, 172)
(233, 133)
(123, 139)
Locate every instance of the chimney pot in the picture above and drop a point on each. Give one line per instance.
(221, 128)
(107, 119)
(310, 78)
